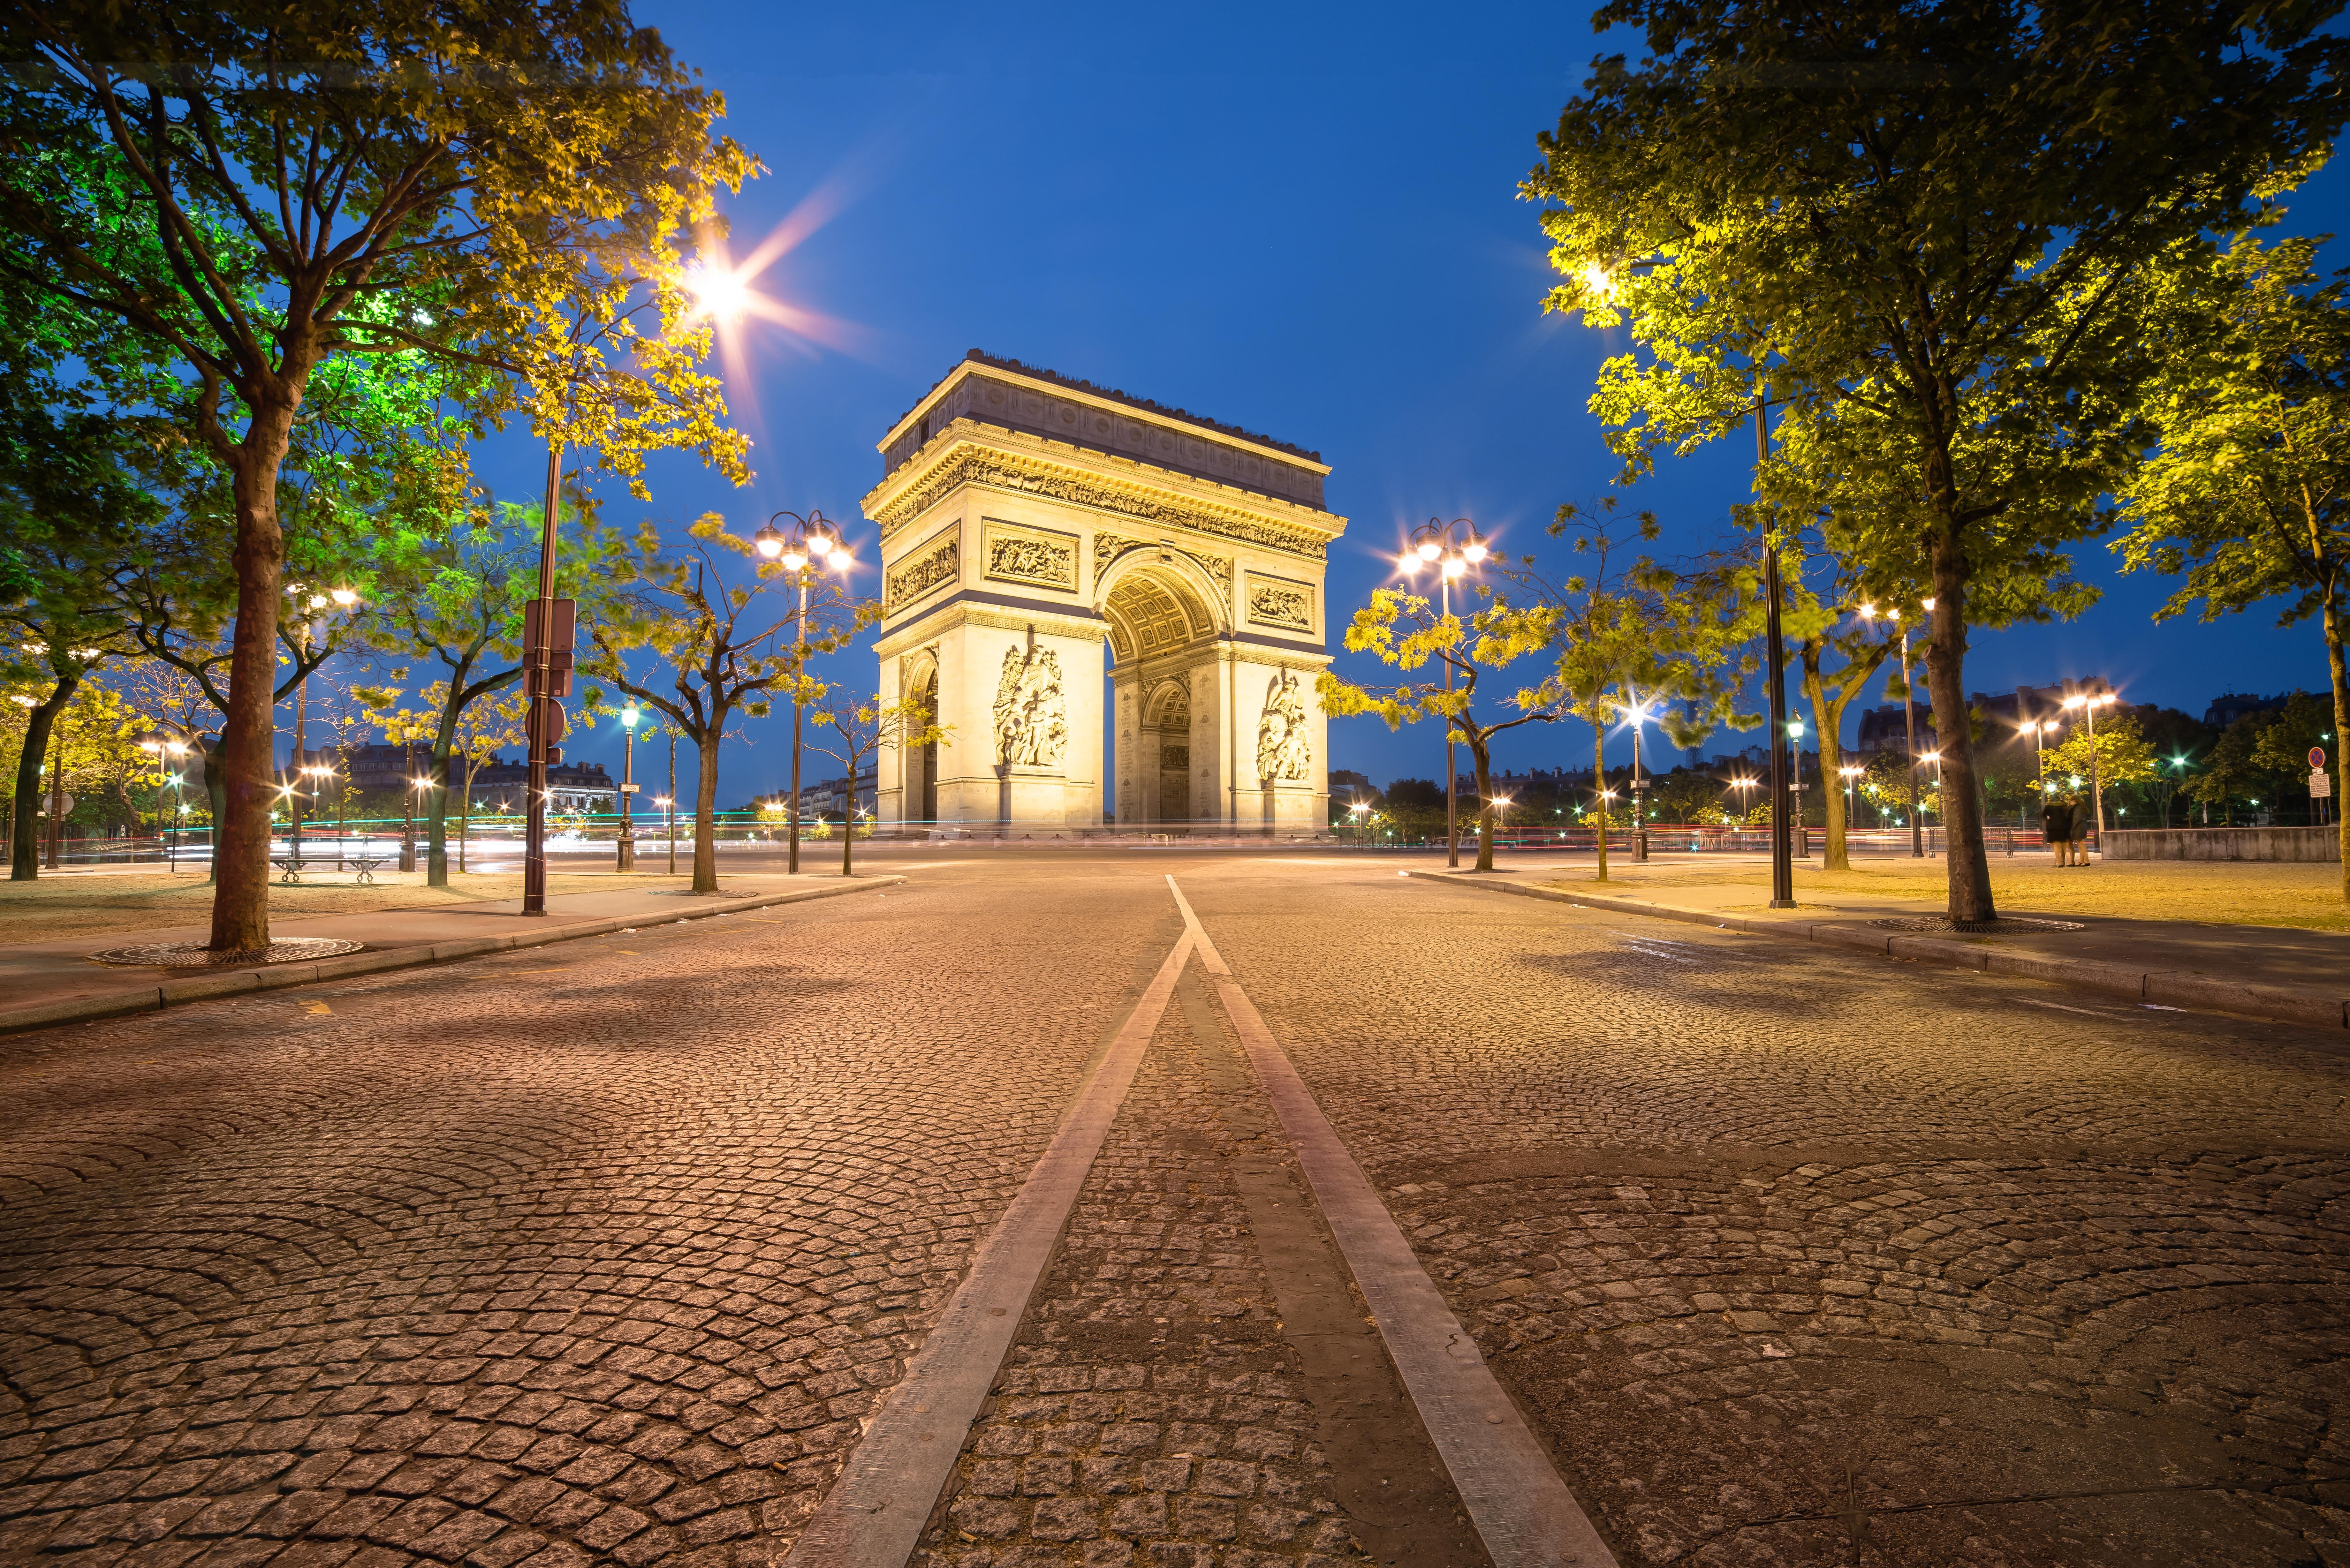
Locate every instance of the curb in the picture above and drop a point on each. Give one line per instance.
(2161, 987)
(203, 988)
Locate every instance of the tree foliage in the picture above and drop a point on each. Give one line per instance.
(2248, 497)
(718, 647)
(268, 198)
(1916, 227)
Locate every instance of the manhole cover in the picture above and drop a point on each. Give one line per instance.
(2006, 925)
(193, 955)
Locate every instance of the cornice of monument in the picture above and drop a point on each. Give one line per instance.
(1016, 462)
(1042, 380)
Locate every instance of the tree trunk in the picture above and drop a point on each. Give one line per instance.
(436, 815)
(2336, 665)
(848, 820)
(705, 809)
(1482, 763)
(1599, 788)
(1968, 869)
(241, 833)
(25, 835)
(1829, 720)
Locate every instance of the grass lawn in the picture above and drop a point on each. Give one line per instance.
(2247, 893)
(80, 906)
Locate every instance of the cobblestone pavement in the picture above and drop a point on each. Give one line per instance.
(595, 1253)
(1164, 1398)
(1803, 1258)
(599, 1254)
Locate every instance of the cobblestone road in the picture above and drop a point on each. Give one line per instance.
(599, 1254)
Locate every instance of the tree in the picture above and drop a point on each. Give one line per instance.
(1916, 226)
(2249, 494)
(1822, 629)
(872, 727)
(259, 192)
(1405, 631)
(1647, 634)
(2120, 754)
(458, 603)
(712, 638)
(74, 504)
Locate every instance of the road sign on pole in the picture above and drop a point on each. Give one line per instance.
(2321, 784)
(2317, 759)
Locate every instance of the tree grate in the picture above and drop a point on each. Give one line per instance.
(195, 955)
(2006, 925)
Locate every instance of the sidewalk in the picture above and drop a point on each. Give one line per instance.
(2298, 975)
(52, 982)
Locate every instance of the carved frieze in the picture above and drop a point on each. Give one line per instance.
(912, 578)
(1031, 556)
(1032, 725)
(972, 465)
(1277, 602)
(1283, 753)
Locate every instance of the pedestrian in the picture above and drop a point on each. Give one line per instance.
(2082, 813)
(2056, 825)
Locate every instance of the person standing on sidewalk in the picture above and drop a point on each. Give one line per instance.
(2082, 816)
(2056, 814)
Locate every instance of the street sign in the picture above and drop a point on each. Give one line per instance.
(559, 651)
(2317, 759)
(2321, 784)
(631, 788)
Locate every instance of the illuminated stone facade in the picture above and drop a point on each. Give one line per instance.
(1037, 535)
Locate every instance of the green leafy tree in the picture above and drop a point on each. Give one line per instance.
(873, 726)
(2120, 754)
(1407, 633)
(721, 646)
(456, 605)
(2249, 495)
(1915, 227)
(1640, 639)
(258, 192)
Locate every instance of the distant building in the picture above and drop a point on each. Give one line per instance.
(2225, 710)
(571, 786)
(825, 797)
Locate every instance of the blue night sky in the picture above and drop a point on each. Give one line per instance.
(1300, 220)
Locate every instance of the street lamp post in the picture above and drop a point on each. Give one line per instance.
(1452, 548)
(1635, 714)
(1851, 791)
(1796, 825)
(2090, 705)
(810, 540)
(1908, 721)
(626, 856)
(669, 800)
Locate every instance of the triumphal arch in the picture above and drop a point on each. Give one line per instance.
(1037, 532)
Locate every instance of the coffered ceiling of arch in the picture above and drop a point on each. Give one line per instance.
(1145, 618)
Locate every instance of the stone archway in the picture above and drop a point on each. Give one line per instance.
(1165, 633)
(1041, 538)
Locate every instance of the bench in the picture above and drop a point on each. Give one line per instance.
(365, 865)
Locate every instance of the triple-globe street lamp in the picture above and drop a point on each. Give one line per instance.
(1453, 550)
(808, 543)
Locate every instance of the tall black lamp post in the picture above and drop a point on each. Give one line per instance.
(810, 542)
(1454, 550)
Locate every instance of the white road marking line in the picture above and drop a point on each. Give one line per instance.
(874, 1515)
(2084, 1011)
(1521, 1508)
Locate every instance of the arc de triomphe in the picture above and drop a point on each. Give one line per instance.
(1026, 521)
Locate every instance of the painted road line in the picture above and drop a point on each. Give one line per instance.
(873, 1516)
(1523, 1511)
